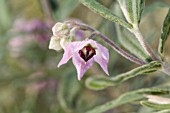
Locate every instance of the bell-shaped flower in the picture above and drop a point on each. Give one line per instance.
(83, 54)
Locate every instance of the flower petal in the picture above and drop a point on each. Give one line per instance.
(102, 57)
(81, 65)
(77, 45)
(70, 49)
(55, 43)
(66, 56)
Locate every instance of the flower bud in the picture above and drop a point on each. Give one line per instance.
(61, 30)
(63, 34)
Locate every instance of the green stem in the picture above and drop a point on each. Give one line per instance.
(144, 44)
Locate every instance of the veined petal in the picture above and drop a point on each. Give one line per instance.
(66, 56)
(71, 48)
(72, 51)
(76, 46)
(81, 65)
(102, 57)
(55, 43)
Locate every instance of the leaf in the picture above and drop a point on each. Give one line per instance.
(131, 43)
(154, 6)
(141, 6)
(132, 10)
(97, 83)
(65, 9)
(155, 106)
(163, 111)
(68, 89)
(165, 33)
(127, 98)
(104, 12)
(5, 16)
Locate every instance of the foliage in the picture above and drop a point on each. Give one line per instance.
(30, 81)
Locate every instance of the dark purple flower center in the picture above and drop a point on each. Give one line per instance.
(87, 52)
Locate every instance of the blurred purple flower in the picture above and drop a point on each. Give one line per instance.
(16, 45)
(35, 25)
(22, 25)
(36, 28)
(83, 54)
(40, 85)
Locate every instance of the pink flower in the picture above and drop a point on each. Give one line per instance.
(83, 54)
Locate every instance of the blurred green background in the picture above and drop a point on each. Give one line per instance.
(30, 81)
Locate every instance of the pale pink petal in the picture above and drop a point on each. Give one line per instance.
(66, 56)
(76, 46)
(102, 57)
(71, 48)
(81, 65)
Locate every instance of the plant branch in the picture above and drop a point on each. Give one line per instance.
(144, 44)
(121, 51)
(110, 42)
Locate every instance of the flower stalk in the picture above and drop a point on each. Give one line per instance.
(120, 51)
(111, 43)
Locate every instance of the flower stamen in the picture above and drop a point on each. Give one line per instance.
(87, 52)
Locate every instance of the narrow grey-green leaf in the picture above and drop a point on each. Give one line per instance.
(131, 43)
(127, 98)
(141, 6)
(65, 8)
(68, 89)
(155, 106)
(97, 83)
(127, 11)
(5, 19)
(104, 12)
(132, 10)
(150, 67)
(163, 111)
(154, 6)
(165, 33)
